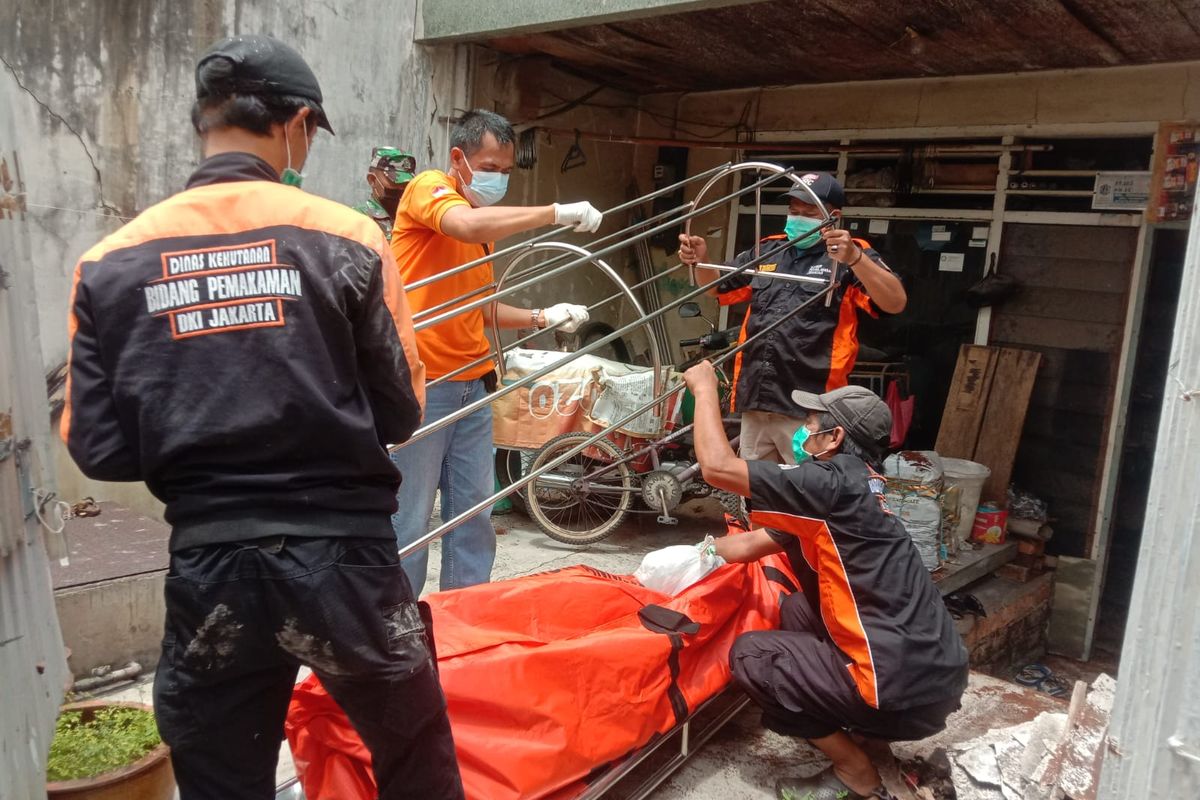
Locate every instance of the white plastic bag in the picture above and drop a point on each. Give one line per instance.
(673, 569)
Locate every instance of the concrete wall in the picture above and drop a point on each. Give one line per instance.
(102, 92)
(113, 622)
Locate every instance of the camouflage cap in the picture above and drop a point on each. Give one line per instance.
(398, 165)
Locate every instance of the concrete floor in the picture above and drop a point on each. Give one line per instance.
(742, 761)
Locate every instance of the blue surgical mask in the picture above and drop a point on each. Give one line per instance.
(485, 188)
(798, 225)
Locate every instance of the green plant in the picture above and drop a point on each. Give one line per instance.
(101, 741)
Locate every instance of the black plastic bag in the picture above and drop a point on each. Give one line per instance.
(992, 289)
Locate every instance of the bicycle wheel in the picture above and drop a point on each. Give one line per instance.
(572, 510)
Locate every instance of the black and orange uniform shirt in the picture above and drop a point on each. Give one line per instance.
(815, 349)
(246, 349)
(422, 250)
(860, 570)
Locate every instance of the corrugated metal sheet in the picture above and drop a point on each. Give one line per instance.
(1154, 739)
(33, 668)
(829, 41)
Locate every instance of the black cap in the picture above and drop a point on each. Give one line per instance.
(823, 185)
(263, 65)
(865, 417)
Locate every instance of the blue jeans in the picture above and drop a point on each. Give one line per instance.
(458, 460)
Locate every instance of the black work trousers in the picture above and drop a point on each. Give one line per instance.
(798, 677)
(243, 617)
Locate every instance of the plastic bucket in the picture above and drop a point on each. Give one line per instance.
(969, 477)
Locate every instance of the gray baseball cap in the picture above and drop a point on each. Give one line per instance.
(865, 417)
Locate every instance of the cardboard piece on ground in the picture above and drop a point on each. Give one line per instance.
(1007, 404)
(967, 402)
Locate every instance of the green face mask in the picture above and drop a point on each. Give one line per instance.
(802, 435)
(290, 176)
(798, 225)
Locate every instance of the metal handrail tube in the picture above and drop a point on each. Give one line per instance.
(679, 432)
(564, 229)
(536, 268)
(525, 480)
(503, 349)
(646, 234)
(471, 408)
(778, 276)
(655, 353)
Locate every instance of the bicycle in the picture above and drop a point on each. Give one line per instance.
(586, 498)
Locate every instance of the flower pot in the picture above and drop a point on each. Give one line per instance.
(148, 778)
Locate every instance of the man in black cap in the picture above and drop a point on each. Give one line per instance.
(867, 646)
(247, 350)
(814, 350)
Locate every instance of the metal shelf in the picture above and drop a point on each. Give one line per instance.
(867, 190)
(1054, 173)
(1050, 192)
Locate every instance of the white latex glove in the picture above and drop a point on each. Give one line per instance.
(582, 216)
(571, 315)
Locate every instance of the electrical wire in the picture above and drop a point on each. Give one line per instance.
(673, 122)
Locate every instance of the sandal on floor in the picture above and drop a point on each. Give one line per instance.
(824, 786)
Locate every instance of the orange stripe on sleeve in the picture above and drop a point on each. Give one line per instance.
(806, 529)
(839, 609)
(64, 424)
(735, 296)
(845, 341)
(396, 300)
(737, 363)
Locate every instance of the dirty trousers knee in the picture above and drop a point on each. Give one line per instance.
(241, 619)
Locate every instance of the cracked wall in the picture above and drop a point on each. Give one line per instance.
(101, 94)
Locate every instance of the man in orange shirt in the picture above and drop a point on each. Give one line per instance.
(446, 219)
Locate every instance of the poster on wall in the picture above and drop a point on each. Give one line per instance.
(1176, 166)
(1121, 191)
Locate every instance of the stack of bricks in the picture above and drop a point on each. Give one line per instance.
(1031, 536)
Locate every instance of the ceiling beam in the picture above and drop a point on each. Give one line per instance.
(471, 20)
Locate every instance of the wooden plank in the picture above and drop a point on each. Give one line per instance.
(1004, 418)
(970, 565)
(1069, 304)
(1071, 398)
(1081, 241)
(1067, 334)
(1085, 367)
(966, 402)
(1077, 274)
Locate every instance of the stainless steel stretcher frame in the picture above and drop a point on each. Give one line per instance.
(638, 774)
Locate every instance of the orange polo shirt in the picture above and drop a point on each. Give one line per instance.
(421, 249)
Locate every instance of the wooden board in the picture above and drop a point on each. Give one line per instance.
(970, 565)
(1004, 418)
(966, 402)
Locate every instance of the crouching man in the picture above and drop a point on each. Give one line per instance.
(867, 648)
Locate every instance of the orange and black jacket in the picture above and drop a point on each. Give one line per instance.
(858, 567)
(815, 349)
(246, 349)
